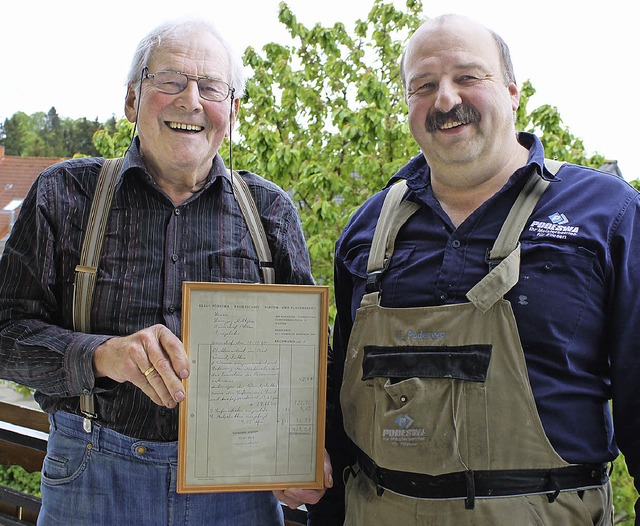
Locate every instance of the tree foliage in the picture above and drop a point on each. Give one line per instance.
(48, 135)
(324, 118)
(113, 139)
(545, 121)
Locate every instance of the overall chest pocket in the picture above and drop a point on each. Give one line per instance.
(424, 396)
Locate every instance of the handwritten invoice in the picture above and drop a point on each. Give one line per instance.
(252, 397)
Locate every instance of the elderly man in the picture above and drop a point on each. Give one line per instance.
(488, 308)
(173, 217)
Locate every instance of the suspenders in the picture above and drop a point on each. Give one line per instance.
(85, 276)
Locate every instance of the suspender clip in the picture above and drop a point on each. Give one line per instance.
(373, 282)
(493, 263)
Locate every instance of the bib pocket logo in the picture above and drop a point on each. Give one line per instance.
(404, 435)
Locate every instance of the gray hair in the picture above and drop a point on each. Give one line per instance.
(508, 75)
(173, 30)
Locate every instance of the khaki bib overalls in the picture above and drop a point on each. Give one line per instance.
(438, 401)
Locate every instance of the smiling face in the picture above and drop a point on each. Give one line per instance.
(460, 108)
(180, 134)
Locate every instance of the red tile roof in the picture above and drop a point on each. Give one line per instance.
(16, 177)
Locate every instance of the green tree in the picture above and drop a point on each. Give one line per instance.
(545, 121)
(78, 137)
(324, 117)
(47, 135)
(52, 133)
(14, 133)
(113, 138)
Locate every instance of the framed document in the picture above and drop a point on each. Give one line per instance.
(254, 413)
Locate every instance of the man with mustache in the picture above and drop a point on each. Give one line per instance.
(488, 309)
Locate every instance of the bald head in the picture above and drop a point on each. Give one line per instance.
(458, 25)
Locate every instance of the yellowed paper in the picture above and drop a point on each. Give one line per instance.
(254, 413)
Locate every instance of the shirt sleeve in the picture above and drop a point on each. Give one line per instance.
(36, 349)
(624, 334)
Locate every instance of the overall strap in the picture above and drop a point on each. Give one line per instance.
(520, 212)
(393, 215)
(85, 276)
(505, 253)
(256, 228)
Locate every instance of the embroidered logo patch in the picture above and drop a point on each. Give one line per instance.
(558, 227)
(558, 219)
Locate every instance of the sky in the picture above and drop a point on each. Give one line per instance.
(580, 55)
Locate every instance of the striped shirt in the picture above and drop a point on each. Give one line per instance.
(151, 246)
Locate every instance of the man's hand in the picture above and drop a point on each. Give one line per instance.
(294, 498)
(152, 359)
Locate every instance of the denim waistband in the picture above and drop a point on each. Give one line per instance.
(104, 439)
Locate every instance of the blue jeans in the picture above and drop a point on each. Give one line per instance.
(105, 478)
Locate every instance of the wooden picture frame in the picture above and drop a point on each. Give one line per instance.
(254, 414)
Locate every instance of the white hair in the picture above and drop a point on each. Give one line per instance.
(179, 29)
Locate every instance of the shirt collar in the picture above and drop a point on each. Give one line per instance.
(133, 162)
(536, 155)
(418, 174)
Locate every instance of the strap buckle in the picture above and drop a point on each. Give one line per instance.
(492, 263)
(373, 281)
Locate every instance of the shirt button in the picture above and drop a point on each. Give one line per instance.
(548, 265)
(177, 211)
(171, 309)
(141, 450)
(174, 257)
(443, 296)
(455, 243)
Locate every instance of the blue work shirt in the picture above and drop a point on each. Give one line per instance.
(577, 302)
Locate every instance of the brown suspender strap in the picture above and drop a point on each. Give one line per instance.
(254, 224)
(86, 270)
(505, 254)
(85, 277)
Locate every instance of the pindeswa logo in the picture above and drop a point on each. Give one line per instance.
(557, 227)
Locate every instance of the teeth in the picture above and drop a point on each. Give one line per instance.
(450, 125)
(182, 126)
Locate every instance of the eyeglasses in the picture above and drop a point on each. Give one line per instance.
(174, 82)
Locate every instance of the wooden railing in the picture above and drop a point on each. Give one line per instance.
(23, 442)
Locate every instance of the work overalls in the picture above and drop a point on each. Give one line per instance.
(438, 401)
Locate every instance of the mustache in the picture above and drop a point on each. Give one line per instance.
(463, 113)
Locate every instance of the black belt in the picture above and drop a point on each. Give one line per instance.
(494, 483)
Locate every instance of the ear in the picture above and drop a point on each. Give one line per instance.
(514, 92)
(236, 108)
(234, 111)
(131, 103)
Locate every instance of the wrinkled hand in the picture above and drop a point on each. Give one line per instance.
(152, 359)
(294, 498)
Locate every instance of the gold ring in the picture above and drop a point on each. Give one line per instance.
(149, 371)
